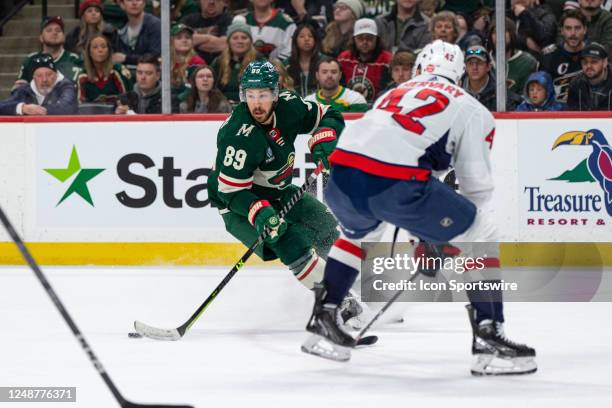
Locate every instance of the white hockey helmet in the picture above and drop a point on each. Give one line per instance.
(442, 58)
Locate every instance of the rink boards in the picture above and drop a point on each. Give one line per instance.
(125, 191)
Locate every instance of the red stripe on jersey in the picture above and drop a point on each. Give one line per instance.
(233, 184)
(350, 248)
(487, 263)
(377, 168)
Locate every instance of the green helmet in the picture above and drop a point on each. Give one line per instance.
(259, 74)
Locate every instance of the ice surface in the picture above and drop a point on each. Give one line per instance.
(245, 349)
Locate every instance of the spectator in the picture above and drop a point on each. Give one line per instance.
(404, 27)
(102, 82)
(49, 93)
(599, 28)
(146, 96)
(467, 6)
(330, 91)
(540, 94)
(52, 39)
(563, 62)
(205, 97)
(519, 64)
(305, 54)
(479, 81)
(271, 30)
(402, 65)
(314, 12)
(210, 28)
(183, 59)
(444, 26)
(462, 26)
(91, 23)
(284, 79)
(339, 33)
(536, 25)
(234, 58)
(178, 8)
(429, 7)
(141, 35)
(366, 64)
(592, 89)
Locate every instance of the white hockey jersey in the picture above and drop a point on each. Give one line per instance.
(426, 124)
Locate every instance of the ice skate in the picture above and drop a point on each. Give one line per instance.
(494, 353)
(328, 339)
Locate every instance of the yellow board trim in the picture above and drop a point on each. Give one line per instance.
(224, 254)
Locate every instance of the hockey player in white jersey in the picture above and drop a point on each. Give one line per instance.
(383, 173)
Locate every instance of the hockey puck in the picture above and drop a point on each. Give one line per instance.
(134, 335)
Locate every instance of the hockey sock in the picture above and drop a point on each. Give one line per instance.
(338, 280)
(488, 304)
(343, 265)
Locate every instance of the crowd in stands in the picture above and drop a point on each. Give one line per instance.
(343, 53)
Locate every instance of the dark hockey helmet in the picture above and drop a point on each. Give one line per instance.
(259, 74)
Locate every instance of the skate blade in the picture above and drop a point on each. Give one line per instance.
(321, 347)
(487, 364)
(155, 333)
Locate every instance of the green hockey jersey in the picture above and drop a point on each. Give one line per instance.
(256, 162)
(68, 63)
(345, 100)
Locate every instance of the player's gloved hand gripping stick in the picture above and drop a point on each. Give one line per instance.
(179, 332)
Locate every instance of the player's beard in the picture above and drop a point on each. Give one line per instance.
(261, 111)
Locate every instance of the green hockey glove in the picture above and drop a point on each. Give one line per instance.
(321, 144)
(262, 215)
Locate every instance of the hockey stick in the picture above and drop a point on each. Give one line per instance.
(176, 334)
(73, 327)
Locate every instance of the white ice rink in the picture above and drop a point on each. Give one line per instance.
(244, 351)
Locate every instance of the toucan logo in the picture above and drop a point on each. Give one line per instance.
(597, 167)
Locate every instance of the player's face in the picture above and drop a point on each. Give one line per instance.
(98, 50)
(92, 15)
(211, 8)
(52, 35)
(343, 13)
(328, 76)
(239, 43)
(443, 30)
(573, 32)
(593, 67)
(537, 93)
(183, 42)
(365, 43)
(305, 40)
(133, 7)
(401, 73)
(260, 102)
(147, 76)
(44, 78)
(204, 80)
(476, 69)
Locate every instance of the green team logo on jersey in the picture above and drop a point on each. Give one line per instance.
(79, 183)
(284, 173)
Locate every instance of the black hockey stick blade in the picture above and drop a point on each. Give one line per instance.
(27, 256)
(367, 341)
(178, 333)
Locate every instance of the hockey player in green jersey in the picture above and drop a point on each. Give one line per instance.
(252, 176)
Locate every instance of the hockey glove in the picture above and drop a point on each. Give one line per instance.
(262, 215)
(321, 144)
